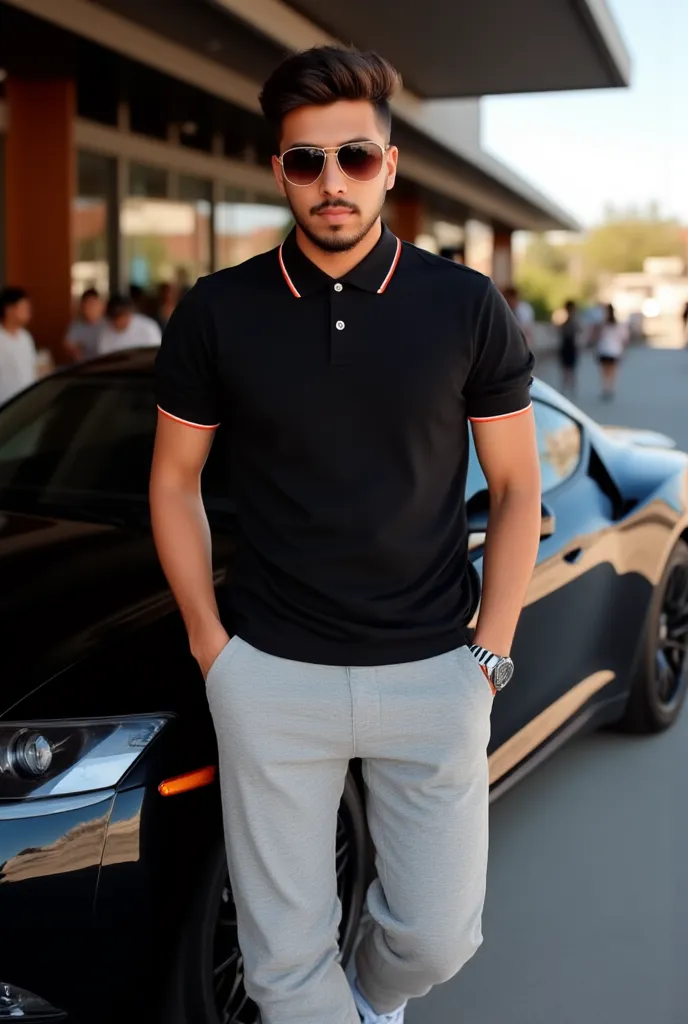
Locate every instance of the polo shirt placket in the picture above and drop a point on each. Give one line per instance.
(344, 406)
(368, 276)
(339, 350)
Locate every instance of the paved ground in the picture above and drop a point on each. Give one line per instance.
(586, 920)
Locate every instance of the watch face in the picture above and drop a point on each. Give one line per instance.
(502, 673)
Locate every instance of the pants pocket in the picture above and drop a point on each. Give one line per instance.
(221, 658)
(474, 669)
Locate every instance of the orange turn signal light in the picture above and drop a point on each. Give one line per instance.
(191, 780)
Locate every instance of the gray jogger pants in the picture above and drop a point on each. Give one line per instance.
(286, 731)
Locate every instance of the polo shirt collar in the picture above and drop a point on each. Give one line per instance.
(372, 274)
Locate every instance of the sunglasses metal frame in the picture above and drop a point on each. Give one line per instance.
(333, 149)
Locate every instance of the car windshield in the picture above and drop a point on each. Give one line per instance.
(80, 446)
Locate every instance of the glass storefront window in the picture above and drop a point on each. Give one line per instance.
(246, 225)
(91, 222)
(195, 189)
(166, 240)
(479, 246)
(147, 181)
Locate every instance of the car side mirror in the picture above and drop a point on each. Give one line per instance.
(478, 511)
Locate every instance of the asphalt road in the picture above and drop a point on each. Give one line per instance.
(586, 919)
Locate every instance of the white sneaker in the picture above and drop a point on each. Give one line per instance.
(367, 1013)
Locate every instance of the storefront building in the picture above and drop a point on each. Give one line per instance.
(132, 150)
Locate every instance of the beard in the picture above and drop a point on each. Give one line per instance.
(336, 240)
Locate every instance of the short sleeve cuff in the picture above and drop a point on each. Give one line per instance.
(187, 420)
(500, 407)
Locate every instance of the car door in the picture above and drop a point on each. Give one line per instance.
(558, 649)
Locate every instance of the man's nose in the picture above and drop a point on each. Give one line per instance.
(332, 181)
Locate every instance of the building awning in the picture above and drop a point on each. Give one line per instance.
(226, 47)
(445, 48)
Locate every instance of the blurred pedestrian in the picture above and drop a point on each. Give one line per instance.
(17, 348)
(125, 328)
(139, 299)
(611, 342)
(523, 311)
(182, 283)
(684, 317)
(167, 299)
(568, 347)
(84, 331)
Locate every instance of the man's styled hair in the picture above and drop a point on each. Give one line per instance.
(325, 74)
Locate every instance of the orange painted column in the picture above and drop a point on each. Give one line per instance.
(407, 222)
(39, 186)
(502, 259)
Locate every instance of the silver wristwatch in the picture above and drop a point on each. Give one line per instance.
(499, 670)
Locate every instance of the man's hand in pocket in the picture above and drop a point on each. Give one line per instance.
(207, 647)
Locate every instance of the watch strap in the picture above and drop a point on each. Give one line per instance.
(486, 659)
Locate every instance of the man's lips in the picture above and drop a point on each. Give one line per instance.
(335, 213)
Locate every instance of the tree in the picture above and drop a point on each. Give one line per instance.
(622, 243)
(548, 275)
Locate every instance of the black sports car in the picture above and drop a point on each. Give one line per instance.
(115, 901)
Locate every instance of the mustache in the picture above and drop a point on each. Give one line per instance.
(334, 204)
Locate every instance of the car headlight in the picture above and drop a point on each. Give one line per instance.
(42, 759)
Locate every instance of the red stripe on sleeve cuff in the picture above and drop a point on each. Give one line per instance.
(188, 423)
(504, 416)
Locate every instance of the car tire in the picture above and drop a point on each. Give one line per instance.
(192, 997)
(660, 680)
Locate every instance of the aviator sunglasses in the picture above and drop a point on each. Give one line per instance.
(359, 161)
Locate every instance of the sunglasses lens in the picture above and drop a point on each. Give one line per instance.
(303, 166)
(361, 161)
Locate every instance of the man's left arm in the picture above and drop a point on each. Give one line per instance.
(498, 405)
(507, 451)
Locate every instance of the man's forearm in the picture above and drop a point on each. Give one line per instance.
(182, 538)
(511, 545)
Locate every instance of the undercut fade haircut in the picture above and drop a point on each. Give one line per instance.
(325, 74)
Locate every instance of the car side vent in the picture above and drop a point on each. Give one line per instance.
(597, 471)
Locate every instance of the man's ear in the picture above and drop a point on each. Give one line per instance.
(392, 157)
(279, 177)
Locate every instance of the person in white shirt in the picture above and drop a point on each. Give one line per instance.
(17, 348)
(83, 334)
(126, 329)
(611, 342)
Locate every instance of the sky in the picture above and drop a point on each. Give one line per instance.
(624, 146)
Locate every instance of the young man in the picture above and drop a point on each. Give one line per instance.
(17, 348)
(83, 334)
(345, 366)
(126, 329)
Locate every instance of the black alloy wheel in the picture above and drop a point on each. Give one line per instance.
(660, 682)
(231, 1002)
(209, 983)
(671, 658)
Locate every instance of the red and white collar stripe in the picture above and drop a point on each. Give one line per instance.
(290, 283)
(390, 272)
(295, 292)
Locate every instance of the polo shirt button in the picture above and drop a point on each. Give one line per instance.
(340, 325)
(338, 287)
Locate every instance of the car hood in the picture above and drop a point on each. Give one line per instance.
(68, 588)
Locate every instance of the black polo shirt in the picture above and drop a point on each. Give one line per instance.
(345, 405)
